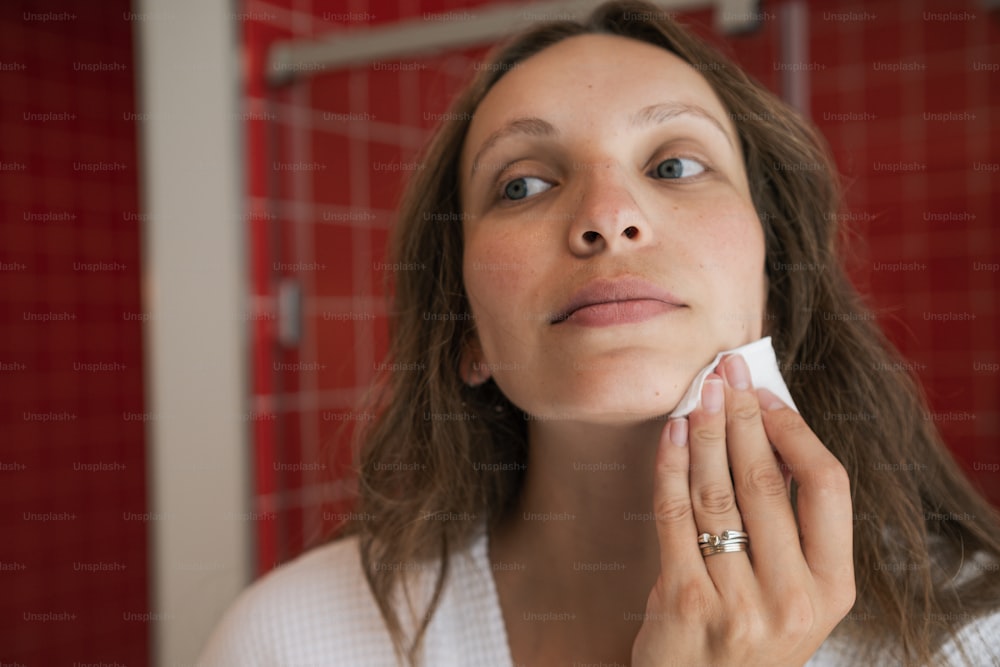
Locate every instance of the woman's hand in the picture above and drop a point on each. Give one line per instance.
(775, 604)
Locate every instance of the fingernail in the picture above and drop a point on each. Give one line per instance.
(712, 394)
(737, 372)
(679, 431)
(769, 401)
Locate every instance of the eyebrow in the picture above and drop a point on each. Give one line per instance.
(531, 126)
(653, 114)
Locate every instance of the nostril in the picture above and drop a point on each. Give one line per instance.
(590, 237)
(630, 232)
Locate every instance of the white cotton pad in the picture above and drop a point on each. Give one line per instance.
(764, 374)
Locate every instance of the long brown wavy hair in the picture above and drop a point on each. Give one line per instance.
(441, 457)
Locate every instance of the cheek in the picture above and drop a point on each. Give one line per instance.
(731, 256)
(737, 235)
(741, 251)
(499, 282)
(492, 271)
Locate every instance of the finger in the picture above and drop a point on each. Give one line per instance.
(760, 486)
(824, 495)
(712, 494)
(675, 527)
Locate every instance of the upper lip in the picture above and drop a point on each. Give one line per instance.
(604, 290)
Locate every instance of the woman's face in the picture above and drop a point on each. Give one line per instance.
(611, 245)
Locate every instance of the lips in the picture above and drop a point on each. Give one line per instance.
(617, 301)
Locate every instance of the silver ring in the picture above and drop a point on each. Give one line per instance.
(709, 550)
(730, 541)
(724, 538)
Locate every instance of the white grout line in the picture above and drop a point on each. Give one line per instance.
(913, 135)
(362, 303)
(977, 150)
(344, 399)
(334, 401)
(325, 121)
(292, 20)
(793, 39)
(361, 244)
(851, 83)
(369, 218)
(306, 253)
(310, 496)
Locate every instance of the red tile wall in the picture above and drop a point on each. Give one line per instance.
(324, 224)
(72, 479)
(322, 203)
(909, 99)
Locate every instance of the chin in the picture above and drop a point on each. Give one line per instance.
(602, 396)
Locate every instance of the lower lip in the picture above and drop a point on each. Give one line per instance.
(619, 312)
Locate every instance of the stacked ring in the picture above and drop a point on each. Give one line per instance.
(730, 541)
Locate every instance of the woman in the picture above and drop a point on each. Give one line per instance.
(614, 205)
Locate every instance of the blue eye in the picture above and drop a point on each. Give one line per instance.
(523, 187)
(679, 167)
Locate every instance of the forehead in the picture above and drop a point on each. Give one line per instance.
(591, 82)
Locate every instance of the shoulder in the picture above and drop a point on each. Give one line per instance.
(978, 640)
(977, 643)
(317, 607)
(319, 610)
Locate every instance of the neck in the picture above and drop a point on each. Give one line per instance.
(587, 503)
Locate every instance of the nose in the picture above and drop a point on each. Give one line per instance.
(607, 216)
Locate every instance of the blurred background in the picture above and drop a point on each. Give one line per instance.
(195, 197)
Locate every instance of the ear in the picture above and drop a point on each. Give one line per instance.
(472, 368)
